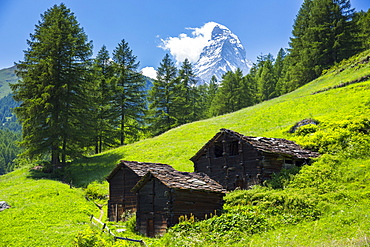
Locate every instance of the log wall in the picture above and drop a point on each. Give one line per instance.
(121, 198)
(160, 207)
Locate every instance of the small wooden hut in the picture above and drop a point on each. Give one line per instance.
(121, 180)
(238, 161)
(165, 196)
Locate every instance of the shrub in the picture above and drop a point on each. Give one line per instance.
(282, 179)
(97, 191)
(90, 238)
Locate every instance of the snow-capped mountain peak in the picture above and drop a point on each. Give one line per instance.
(223, 52)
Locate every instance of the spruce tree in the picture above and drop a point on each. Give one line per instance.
(53, 87)
(161, 97)
(266, 81)
(279, 63)
(102, 113)
(186, 95)
(130, 95)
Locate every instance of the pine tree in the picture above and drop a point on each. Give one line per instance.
(130, 95)
(53, 88)
(266, 81)
(186, 95)
(103, 114)
(161, 96)
(279, 63)
(279, 72)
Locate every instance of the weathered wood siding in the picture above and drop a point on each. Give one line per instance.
(238, 166)
(152, 211)
(197, 203)
(121, 198)
(160, 207)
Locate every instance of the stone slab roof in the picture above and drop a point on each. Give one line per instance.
(264, 144)
(182, 181)
(140, 168)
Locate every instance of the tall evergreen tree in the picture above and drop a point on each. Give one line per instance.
(103, 114)
(279, 72)
(265, 78)
(161, 96)
(279, 63)
(130, 95)
(53, 88)
(186, 94)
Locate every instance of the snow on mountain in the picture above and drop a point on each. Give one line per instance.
(223, 52)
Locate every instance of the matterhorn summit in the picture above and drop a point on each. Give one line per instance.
(223, 52)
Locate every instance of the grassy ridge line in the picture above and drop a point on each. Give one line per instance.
(272, 118)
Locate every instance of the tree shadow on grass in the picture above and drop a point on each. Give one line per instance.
(83, 171)
(86, 170)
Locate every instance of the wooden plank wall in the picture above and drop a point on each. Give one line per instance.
(130, 179)
(152, 212)
(197, 203)
(160, 207)
(233, 169)
(120, 196)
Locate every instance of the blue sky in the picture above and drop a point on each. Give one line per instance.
(262, 26)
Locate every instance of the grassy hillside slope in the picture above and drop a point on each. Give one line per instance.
(47, 212)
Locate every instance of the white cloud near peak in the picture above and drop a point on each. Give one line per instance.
(189, 46)
(149, 72)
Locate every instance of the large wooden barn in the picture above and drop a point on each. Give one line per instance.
(238, 161)
(121, 180)
(164, 196)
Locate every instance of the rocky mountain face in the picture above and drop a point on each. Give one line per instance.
(224, 52)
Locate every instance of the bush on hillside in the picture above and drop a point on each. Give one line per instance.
(333, 137)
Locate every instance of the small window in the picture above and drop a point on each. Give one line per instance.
(218, 149)
(233, 148)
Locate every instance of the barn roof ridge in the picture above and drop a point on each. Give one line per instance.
(140, 168)
(264, 144)
(181, 180)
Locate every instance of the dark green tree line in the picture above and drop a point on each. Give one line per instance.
(323, 34)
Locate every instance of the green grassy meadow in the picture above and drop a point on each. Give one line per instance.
(325, 204)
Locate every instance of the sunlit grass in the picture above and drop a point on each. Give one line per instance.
(43, 212)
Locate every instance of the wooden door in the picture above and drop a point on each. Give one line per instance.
(150, 228)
